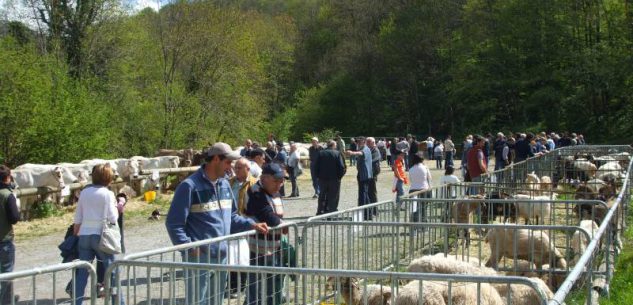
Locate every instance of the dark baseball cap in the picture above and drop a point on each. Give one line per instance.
(274, 170)
(222, 149)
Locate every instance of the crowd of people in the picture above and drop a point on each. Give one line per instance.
(234, 192)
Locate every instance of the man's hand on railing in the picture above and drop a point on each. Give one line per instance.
(261, 227)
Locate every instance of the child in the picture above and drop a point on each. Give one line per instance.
(400, 177)
(449, 178)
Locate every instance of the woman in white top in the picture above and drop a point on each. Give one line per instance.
(96, 203)
(449, 178)
(420, 179)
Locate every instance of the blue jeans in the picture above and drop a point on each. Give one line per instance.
(88, 250)
(7, 261)
(315, 179)
(399, 190)
(205, 287)
(274, 282)
(363, 198)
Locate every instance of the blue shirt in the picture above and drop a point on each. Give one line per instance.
(201, 210)
(363, 164)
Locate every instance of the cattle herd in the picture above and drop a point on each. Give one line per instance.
(135, 172)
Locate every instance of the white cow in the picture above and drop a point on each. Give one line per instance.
(37, 175)
(159, 162)
(93, 162)
(139, 163)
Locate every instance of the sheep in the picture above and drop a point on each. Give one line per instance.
(546, 185)
(502, 244)
(579, 241)
(522, 294)
(528, 208)
(586, 169)
(433, 293)
(446, 265)
(530, 245)
(533, 182)
(469, 259)
(461, 213)
(523, 268)
(437, 293)
(352, 295)
(611, 171)
(495, 209)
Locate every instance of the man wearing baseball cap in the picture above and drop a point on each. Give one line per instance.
(264, 204)
(203, 207)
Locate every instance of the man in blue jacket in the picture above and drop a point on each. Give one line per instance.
(204, 207)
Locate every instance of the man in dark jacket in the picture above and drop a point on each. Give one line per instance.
(314, 154)
(9, 215)
(330, 169)
(375, 167)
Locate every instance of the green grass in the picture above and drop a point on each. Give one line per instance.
(621, 287)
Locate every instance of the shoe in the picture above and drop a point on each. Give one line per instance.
(100, 291)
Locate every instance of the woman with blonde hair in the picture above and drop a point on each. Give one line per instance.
(96, 203)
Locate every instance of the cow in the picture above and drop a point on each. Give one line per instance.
(139, 164)
(34, 176)
(186, 155)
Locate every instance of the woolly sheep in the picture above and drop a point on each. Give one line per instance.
(533, 182)
(579, 241)
(447, 265)
(534, 245)
(611, 171)
(586, 168)
(461, 213)
(528, 209)
(523, 294)
(352, 295)
(437, 293)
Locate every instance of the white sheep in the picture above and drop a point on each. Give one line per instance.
(469, 259)
(523, 268)
(546, 185)
(352, 295)
(447, 265)
(579, 241)
(611, 171)
(589, 169)
(437, 293)
(533, 182)
(528, 209)
(534, 246)
(522, 294)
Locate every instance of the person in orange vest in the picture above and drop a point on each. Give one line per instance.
(400, 176)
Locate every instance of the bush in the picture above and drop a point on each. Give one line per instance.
(44, 210)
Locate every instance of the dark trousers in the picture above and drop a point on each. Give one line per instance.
(293, 182)
(329, 196)
(7, 261)
(363, 197)
(373, 192)
(237, 281)
(430, 151)
(315, 179)
(449, 159)
(273, 282)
